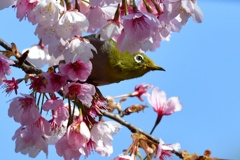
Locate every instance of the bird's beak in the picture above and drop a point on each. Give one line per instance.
(155, 67)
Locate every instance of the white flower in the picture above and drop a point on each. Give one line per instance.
(101, 134)
(162, 146)
(109, 30)
(72, 23)
(46, 12)
(78, 49)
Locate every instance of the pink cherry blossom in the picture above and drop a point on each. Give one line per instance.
(54, 82)
(65, 150)
(47, 33)
(78, 70)
(59, 110)
(24, 7)
(138, 28)
(109, 30)
(38, 83)
(83, 92)
(140, 90)
(70, 144)
(192, 8)
(46, 12)
(56, 47)
(24, 110)
(60, 115)
(57, 131)
(78, 48)
(4, 67)
(184, 9)
(11, 85)
(161, 104)
(164, 150)
(104, 14)
(31, 139)
(101, 134)
(90, 147)
(72, 23)
(52, 104)
(84, 6)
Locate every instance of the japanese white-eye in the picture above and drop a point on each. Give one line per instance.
(112, 66)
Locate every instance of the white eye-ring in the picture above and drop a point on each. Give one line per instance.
(139, 58)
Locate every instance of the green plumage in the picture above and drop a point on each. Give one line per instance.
(112, 66)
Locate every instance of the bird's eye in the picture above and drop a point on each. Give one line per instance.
(138, 58)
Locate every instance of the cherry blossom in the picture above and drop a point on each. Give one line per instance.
(24, 7)
(24, 110)
(77, 70)
(144, 26)
(84, 6)
(46, 12)
(52, 104)
(31, 139)
(161, 104)
(47, 33)
(77, 137)
(109, 30)
(164, 150)
(83, 92)
(72, 23)
(57, 131)
(11, 85)
(140, 90)
(101, 134)
(78, 49)
(54, 81)
(4, 67)
(104, 14)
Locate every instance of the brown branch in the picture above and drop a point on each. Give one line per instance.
(134, 129)
(26, 68)
(22, 63)
(131, 127)
(5, 45)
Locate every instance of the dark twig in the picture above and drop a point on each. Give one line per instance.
(5, 45)
(24, 64)
(131, 127)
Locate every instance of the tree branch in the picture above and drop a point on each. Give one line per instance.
(131, 127)
(24, 64)
(5, 45)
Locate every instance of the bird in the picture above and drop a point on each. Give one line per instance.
(109, 65)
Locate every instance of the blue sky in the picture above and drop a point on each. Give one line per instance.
(202, 68)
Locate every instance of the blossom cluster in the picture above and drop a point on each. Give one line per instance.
(73, 127)
(135, 26)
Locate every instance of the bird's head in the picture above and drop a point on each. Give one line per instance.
(137, 64)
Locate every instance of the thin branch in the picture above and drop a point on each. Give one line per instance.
(5, 45)
(26, 68)
(25, 65)
(131, 127)
(134, 129)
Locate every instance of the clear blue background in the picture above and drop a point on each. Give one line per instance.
(202, 65)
